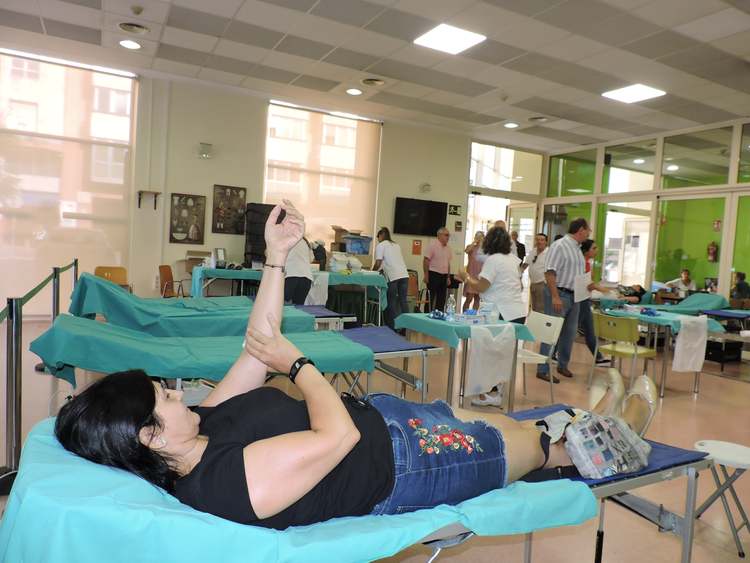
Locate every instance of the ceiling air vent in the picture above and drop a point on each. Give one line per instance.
(372, 82)
(136, 28)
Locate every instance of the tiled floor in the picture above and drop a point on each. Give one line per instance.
(720, 411)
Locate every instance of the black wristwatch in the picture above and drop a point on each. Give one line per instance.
(297, 365)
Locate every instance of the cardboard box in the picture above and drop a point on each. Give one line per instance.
(339, 232)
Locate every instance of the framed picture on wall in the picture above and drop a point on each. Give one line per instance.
(228, 215)
(187, 218)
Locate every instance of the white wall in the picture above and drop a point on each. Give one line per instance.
(173, 117)
(411, 156)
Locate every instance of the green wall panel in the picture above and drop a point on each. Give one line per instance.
(741, 259)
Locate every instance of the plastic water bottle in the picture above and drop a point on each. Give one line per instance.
(450, 308)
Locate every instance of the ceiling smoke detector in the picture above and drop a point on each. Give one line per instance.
(131, 27)
(372, 82)
(539, 119)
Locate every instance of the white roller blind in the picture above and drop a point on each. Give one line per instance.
(326, 165)
(65, 147)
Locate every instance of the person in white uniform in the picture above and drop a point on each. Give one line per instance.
(388, 258)
(298, 273)
(683, 284)
(499, 283)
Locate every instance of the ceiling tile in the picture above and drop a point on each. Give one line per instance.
(562, 125)
(74, 32)
(530, 35)
(563, 136)
(200, 22)
(439, 10)
(70, 13)
(620, 30)
(578, 15)
(239, 51)
(303, 47)
(743, 5)
(696, 57)
(428, 77)
(300, 5)
(525, 7)
(716, 25)
(153, 10)
(408, 89)
(460, 66)
(670, 13)
(111, 39)
(401, 25)
(181, 55)
(188, 39)
(532, 63)
(487, 19)
(273, 74)
(173, 67)
(213, 75)
(599, 132)
(626, 5)
(21, 21)
(735, 103)
(225, 8)
(271, 16)
(337, 73)
(493, 52)
(315, 83)
(572, 48)
(689, 109)
(737, 44)
(228, 64)
(284, 61)
(112, 22)
(352, 12)
(424, 106)
(250, 34)
(660, 44)
(374, 44)
(95, 4)
(419, 56)
(326, 31)
(350, 59)
(446, 98)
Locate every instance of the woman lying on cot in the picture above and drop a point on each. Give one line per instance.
(254, 455)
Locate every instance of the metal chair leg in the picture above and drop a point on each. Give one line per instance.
(696, 382)
(523, 371)
(551, 383)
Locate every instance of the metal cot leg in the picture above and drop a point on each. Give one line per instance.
(464, 360)
(600, 534)
(424, 376)
(665, 359)
(689, 522)
(512, 382)
(451, 375)
(527, 544)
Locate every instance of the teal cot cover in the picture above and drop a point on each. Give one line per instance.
(695, 303)
(65, 509)
(74, 342)
(201, 316)
(664, 318)
(451, 332)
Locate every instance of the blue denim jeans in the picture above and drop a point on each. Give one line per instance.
(586, 324)
(438, 458)
(569, 329)
(396, 300)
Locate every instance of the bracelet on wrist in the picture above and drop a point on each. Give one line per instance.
(277, 266)
(298, 364)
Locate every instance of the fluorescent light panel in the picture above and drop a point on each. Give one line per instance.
(65, 62)
(449, 39)
(634, 93)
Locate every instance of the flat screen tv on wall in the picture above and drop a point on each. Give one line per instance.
(419, 216)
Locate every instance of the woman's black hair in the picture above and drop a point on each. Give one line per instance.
(586, 245)
(103, 424)
(496, 241)
(385, 232)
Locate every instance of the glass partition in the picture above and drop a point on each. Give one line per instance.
(557, 217)
(572, 173)
(696, 159)
(499, 168)
(629, 168)
(623, 235)
(744, 173)
(690, 237)
(741, 258)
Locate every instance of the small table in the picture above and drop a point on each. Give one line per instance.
(726, 454)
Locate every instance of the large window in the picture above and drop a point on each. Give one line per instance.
(64, 173)
(744, 172)
(629, 168)
(500, 168)
(696, 159)
(557, 217)
(327, 165)
(623, 237)
(572, 174)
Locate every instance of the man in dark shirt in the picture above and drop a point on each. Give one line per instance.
(518, 248)
(741, 288)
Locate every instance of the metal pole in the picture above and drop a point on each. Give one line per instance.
(75, 271)
(689, 520)
(12, 395)
(55, 292)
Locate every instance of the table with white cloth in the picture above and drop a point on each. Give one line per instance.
(456, 334)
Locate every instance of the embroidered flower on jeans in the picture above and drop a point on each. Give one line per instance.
(442, 438)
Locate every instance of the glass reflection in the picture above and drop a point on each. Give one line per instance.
(696, 159)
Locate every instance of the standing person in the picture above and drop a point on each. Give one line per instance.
(585, 315)
(535, 263)
(500, 284)
(564, 262)
(473, 268)
(517, 248)
(298, 279)
(437, 269)
(388, 258)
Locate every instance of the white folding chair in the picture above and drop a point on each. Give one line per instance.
(545, 329)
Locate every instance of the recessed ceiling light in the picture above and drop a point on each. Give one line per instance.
(638, 161)
(634, 93)
(510, 125)
(449, 39)
(673, 168)
(130, 44)
(354, 91)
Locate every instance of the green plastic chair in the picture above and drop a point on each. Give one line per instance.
(622, 337)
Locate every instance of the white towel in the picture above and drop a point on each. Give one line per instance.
(690, 350)
(490, 358)
(318, 294)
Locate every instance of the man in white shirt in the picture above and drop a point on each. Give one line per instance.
(683, 283)
(535, 262)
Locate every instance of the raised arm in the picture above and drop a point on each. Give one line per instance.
(282, 469)
(248, 372)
